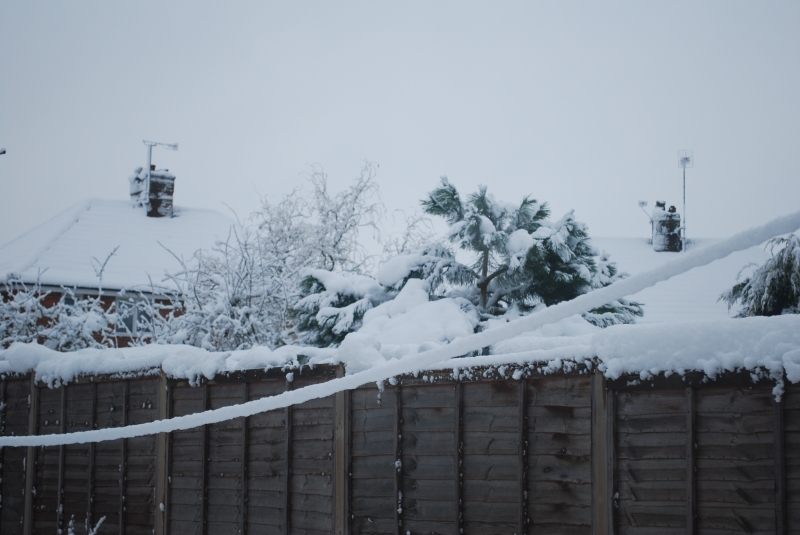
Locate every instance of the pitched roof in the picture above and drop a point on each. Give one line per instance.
(70, 248)
(690, 296)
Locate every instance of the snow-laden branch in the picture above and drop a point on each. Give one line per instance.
(459, 347)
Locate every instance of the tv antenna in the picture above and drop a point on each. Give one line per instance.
(150, 145)
(685, 160)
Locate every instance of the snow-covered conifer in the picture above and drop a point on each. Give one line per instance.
(773, 288)
(521, 258)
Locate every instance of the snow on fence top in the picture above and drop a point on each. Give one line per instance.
(772, 343)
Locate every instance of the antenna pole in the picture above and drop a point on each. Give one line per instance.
(684, 209)
(149, 166)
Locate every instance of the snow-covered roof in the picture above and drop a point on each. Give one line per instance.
(690, 296)
(69, 248)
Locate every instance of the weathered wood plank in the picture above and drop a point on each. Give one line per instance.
(427, 396)
(381, 419)
(737, 519)
(652, 491)
(653, 515)
(374, 443)
(491, 491)
(554, 419)
(425, 443)
(734, 400)
(491, 394)
(560, 391)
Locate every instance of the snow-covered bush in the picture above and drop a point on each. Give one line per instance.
(30, 314)
(334, 304)
(773, 288)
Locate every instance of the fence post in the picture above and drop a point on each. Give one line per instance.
(161, 459)
(341, 470)
(30, 457)
(780, 464)
(691, 473)
(603, 456)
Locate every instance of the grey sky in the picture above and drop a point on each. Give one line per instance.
(579, 104)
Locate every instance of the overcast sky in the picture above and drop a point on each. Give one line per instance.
(583, 105)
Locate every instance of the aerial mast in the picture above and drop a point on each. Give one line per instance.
(685, 159)
(150, 145)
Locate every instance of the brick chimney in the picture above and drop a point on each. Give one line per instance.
(162, 187)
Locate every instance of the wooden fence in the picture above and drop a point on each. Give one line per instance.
(566, 453)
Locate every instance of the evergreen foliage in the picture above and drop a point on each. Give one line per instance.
(773, 288)
(521, 259)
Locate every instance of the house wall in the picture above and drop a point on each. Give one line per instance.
(568, 453)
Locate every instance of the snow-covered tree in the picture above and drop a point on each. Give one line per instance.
(520, 258)
(241, 293)
(773, 288)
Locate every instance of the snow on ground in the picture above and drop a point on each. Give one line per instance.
(70, 247)
(689, 296)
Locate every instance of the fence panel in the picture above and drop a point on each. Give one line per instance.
(484, 455)
(559, 456)
(651, 461)
(373, 502)
(491, 461)
(14, 422)
(735, 460)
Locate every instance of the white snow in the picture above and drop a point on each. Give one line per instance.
(519, 241)
(398, 267)
(63, 248)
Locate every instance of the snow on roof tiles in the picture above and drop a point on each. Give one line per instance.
(690, 296)
(66, 249)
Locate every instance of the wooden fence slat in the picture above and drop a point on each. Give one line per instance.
(458, 457)
(611, 459)
(243, 503)
(523, 457)
(30, 457)
(603, 477)
(61, 454)
(780, 465)
(287, 488)
(206, 398)
(123, 459)
(159, 516)
(398, 455)
(691, 471)
(341, 466)
(92, 450)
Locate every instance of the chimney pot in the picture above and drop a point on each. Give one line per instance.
(162, 188)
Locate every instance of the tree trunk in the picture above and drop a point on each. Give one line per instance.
(484, 274)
